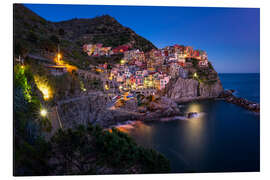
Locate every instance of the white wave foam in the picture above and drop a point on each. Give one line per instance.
(173, 118)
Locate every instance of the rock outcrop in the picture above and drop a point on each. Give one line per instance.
(228, 96)
(91, 109)
(190, 89)
(97, 109)
(163, 107)
(210, 90)
(182, 88)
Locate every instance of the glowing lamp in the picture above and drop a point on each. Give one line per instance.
(44, 88)
(43, 112)
(122, 61)
(45, 93)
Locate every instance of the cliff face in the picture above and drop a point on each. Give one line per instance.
(182, 88)
(91, 109)
(212, 90)
(97, 109)
(189, 89)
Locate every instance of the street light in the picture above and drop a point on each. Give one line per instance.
(58, 57)
(43, 112)
(122, 61)
(106, 87)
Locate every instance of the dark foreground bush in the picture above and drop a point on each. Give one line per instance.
(91, 150)
(31, 151)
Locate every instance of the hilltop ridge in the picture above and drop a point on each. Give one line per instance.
(36, 35)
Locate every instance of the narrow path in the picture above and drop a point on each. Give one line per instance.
(78, 98)
(39, 58)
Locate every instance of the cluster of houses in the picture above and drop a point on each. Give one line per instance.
(99, 50)
(154, 69)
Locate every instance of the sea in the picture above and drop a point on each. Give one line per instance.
(222, 137)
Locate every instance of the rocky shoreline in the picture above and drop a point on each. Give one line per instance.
(94, 109)
(228, 96)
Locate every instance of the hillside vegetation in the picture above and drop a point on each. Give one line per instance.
(34, 34)
(81, 150)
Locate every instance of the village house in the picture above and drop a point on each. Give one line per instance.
(138, 73)
(120, 77)
(179, 48)
(163, 82)
(96, 49)
(196, 54)
(174, 69)
(127, 73)
(203, 63)
(138, 63)
(180, 56)
(139, 81)
(203, 55)
(121, 49)
(99, 50)
(188, 51)
(154, 69)
(144, 73)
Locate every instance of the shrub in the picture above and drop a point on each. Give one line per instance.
(54, 39)
(20, 49)
(32, 37)
(61, 32)
(85, 150)
(31, 151)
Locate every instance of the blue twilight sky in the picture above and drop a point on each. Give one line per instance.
(231, 36)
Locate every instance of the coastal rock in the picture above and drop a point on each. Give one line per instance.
(91, 109)
(210, 90)
(230, 98)
(182, 88)
(190, 89)
(192, 114)
(163, 107)
(95, 109)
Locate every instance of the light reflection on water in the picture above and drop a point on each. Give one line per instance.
(195, 125)
(210, 142)
(139, 127)
(194, 131)
(194, 108)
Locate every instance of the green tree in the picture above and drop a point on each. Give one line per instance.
(31, 151)
(55, 39)
(61, 32)
(90, 150)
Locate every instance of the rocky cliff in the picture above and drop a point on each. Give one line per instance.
(90, 109)
(98, 109)
(190, 89)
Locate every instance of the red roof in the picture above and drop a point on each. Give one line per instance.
(99, 45)
(121, 48)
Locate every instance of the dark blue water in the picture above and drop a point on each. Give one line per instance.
(224, 138)
(246, 85)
